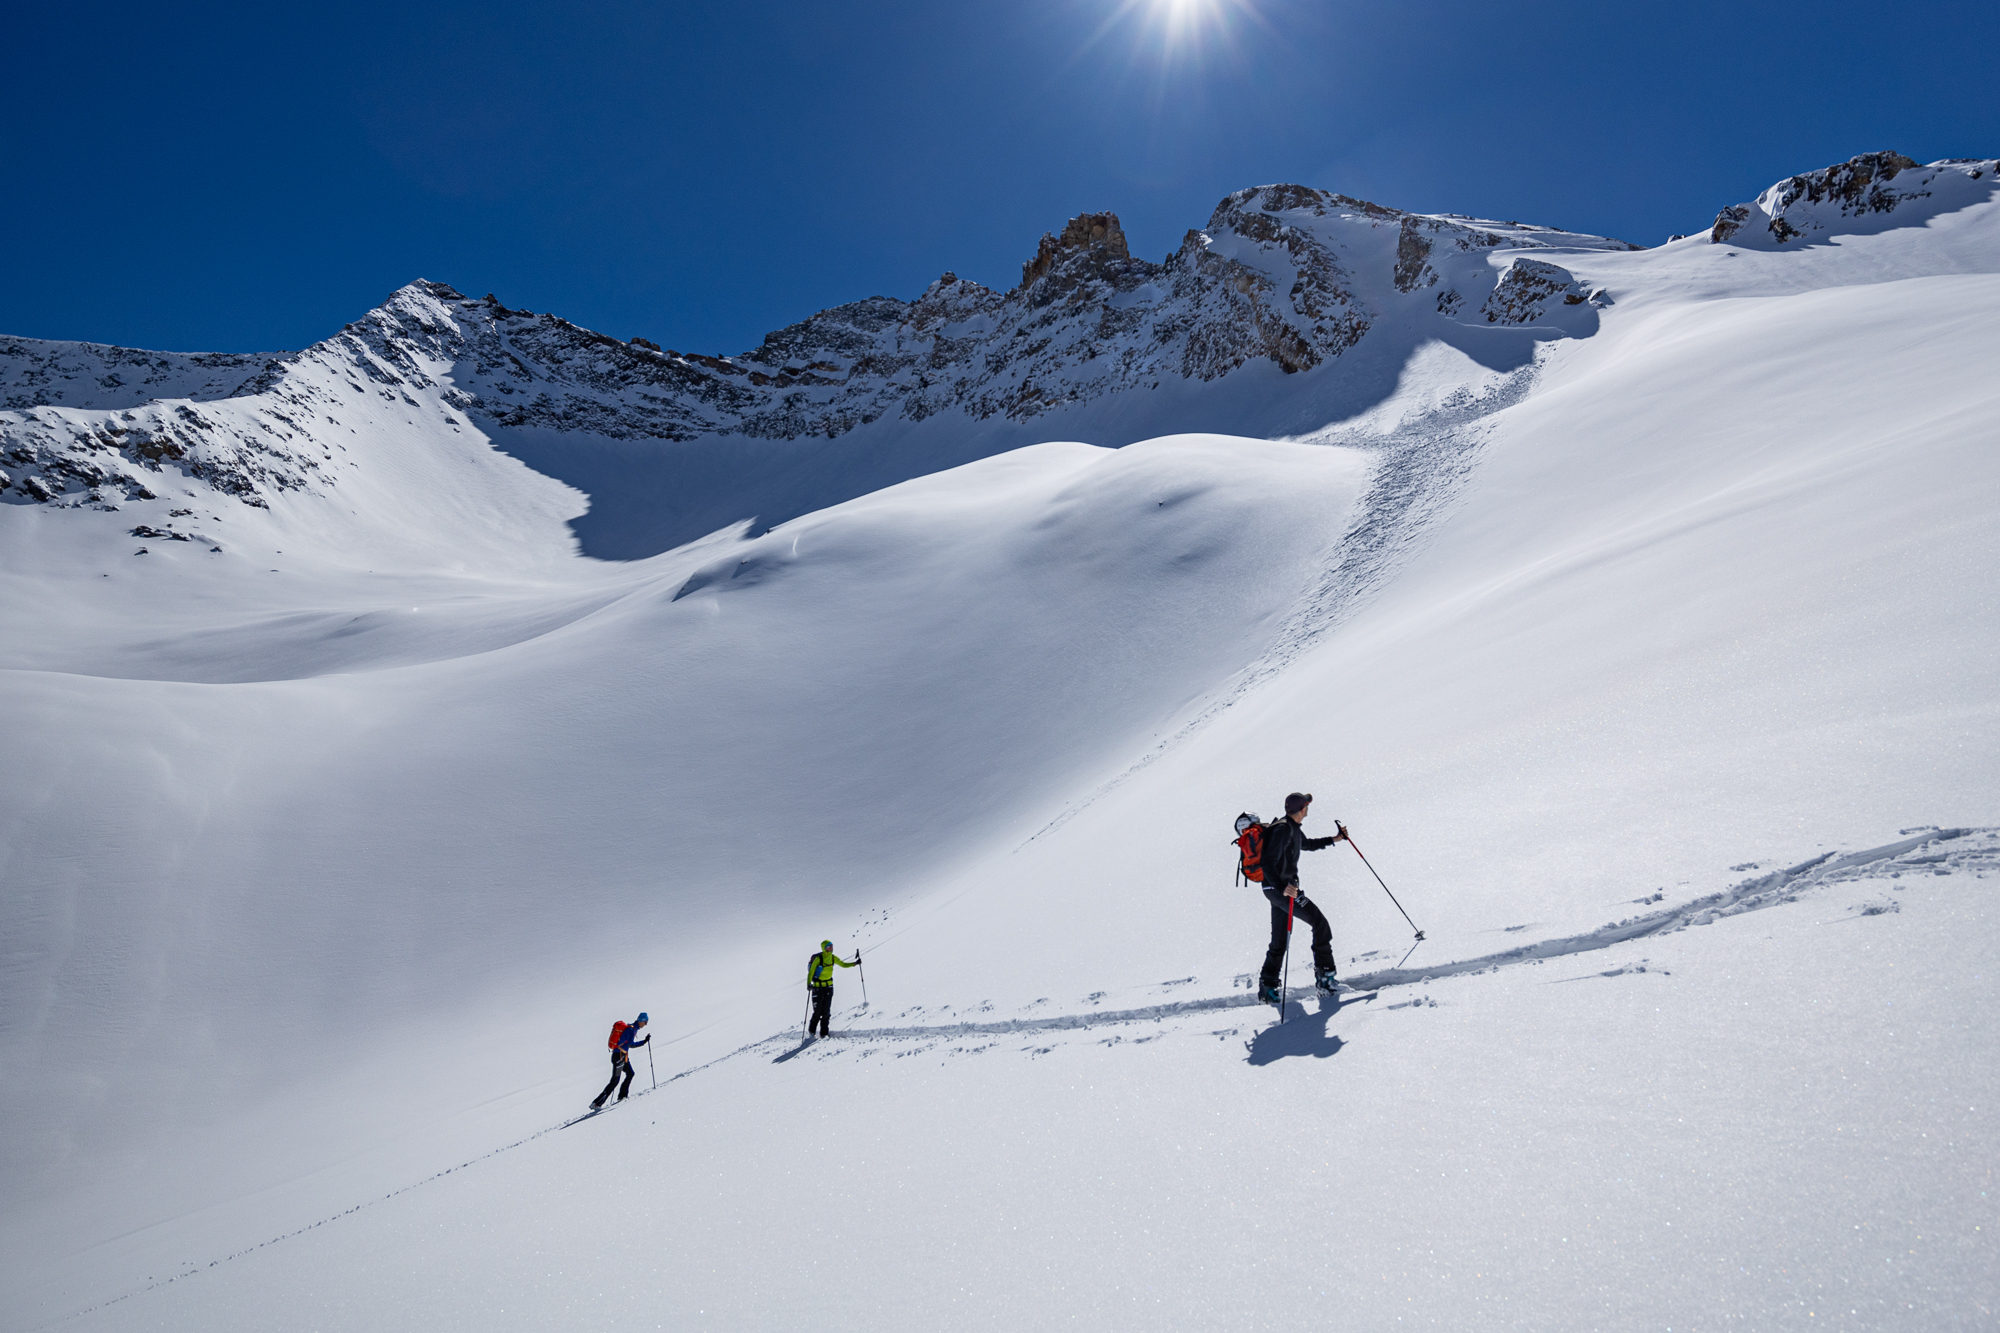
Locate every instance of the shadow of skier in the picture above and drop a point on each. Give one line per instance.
(796, 1050)
(1304, 1034)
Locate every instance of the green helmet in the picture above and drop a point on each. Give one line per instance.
(826, 944)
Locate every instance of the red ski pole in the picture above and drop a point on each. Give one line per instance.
(1291, 905)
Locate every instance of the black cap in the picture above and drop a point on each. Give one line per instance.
(1297, 801)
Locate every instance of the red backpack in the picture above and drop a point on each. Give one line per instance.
(617, 1031)
(1249, 849)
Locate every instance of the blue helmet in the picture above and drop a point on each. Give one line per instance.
(636, 1022)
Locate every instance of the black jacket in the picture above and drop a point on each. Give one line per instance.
(1283, 841)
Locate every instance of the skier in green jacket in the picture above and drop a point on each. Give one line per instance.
(819, 981)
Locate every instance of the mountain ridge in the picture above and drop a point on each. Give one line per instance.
(1283, 276)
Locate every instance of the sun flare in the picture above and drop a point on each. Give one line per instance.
(1187, 27)
(1178, 34)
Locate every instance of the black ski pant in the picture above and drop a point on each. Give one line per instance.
(822, 1011)
(620, 1067)
(1302, 910)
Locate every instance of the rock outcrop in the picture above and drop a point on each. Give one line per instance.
(1525, 290)
(1854, 197)
(1095, 234)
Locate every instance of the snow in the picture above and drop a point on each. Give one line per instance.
(91, 375)
(1653, 674)
(1384, 1164)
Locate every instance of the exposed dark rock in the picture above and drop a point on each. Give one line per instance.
(1526, 287)
(1086, 232)
(1860, 186)
(1728, 222)
(1413, 248)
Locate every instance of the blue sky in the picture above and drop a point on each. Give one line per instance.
(249, 178)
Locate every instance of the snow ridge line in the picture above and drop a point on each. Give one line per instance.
(1766, 890)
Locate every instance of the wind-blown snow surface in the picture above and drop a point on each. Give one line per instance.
(328, 868)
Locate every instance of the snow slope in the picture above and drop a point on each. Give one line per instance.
(329, 856)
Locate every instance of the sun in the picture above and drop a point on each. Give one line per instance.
(1183, 18)
(1177, 37)
(1190, 27)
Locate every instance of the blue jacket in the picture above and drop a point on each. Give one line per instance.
(625, 1042)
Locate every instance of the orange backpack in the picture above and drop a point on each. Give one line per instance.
(617, 1031)
(1249, 849)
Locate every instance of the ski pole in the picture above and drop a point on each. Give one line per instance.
(1291, 904)
(651, 1072)
(1378, 879)
(864, 978)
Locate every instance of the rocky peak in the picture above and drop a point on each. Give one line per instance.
(1095, 234)
(1856, 183)
(1853, 197)
(1274, 199)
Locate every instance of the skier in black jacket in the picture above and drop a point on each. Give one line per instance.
(1283, 842)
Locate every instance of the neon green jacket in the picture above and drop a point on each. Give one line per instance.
(819, 968)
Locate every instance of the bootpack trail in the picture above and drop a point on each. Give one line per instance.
(1932, 851)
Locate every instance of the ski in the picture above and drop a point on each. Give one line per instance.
(593, 1111)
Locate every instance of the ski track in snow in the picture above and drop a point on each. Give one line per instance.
(1768, 890)
(1927, 852)
(1420, 466)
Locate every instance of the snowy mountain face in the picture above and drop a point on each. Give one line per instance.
(34, 373)
(1281, 274)
(1632, 609)
(1868, 193)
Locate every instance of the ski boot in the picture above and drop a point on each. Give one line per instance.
(1328, 983)
(1270, 995)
